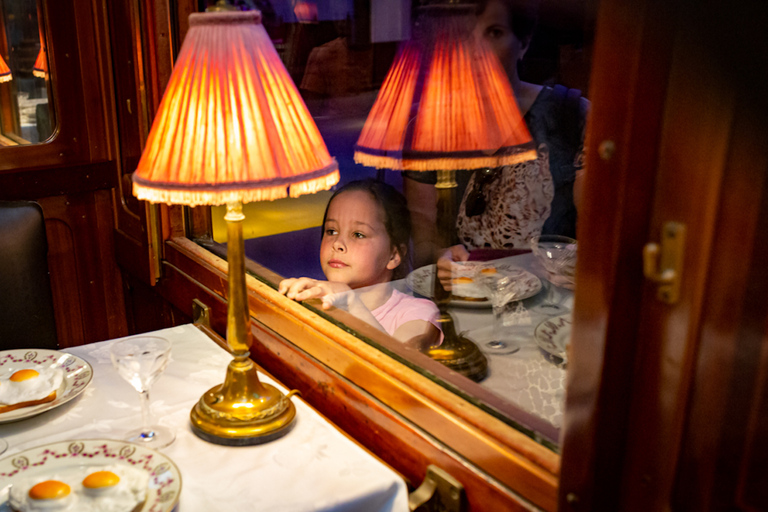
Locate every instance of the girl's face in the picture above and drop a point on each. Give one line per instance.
(356, 249)
(493, 27)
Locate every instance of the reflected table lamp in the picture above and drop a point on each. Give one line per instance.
(5, 72)
(40, 68)
(232, 128)
(445, 105)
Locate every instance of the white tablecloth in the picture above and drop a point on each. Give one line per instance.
(525, 378)
(314, 467)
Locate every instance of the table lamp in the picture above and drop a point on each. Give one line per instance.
(232, 128)
(445, 105)
(5, 72)
(40, 68)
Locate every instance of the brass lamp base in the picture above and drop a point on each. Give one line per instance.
(243, 411)
(458, 353)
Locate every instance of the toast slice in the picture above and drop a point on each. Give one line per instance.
(9, 408)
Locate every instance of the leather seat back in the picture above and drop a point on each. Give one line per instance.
(26, 304)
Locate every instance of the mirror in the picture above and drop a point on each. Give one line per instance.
(26, 112)
(339, 58)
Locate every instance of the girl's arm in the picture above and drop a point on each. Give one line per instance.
(332, 293)
(418, 334)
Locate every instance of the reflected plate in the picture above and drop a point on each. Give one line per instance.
(468, 293)
(77, 375)
(552, 335)
(163, 488)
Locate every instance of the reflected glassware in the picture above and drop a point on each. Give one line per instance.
(3, 446)
(502, 291)
(557, 254)
(140, 360)
(551, 301)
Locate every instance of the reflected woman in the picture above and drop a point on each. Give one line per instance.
(502, 208)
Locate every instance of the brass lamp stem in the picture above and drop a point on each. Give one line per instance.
(242, 410)
(456, 352)
(238, 334)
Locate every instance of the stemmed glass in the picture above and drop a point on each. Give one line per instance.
(557, 254)
(140, 360)
(502, 291)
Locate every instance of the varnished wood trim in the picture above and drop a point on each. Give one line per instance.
(406, 447)
(496, 449)
(38, 183)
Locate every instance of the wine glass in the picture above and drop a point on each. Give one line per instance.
(502, 291)
(557, 254)
(140, 360)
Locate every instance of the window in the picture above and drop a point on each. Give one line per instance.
(339, 55)
(26, 113)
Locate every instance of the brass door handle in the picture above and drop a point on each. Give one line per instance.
(663, 264)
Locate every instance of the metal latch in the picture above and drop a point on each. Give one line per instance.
(439, 492)
(201, 318)
(664, 265)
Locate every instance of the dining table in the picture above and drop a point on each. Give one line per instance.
(315, 467)
(531, 377)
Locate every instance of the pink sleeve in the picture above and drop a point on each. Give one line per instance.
(413, 308)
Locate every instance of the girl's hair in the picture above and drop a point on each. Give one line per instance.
(522, 16)
(397, 218)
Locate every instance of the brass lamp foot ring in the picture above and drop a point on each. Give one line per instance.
(245, 434)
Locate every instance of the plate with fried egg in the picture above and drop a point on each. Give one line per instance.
(33, 381)
(466, 288)
(91, 475)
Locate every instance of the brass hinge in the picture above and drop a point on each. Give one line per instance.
(439, 492)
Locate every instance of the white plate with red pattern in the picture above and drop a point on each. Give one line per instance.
(467, 292)
(74, 457)
(77, 375)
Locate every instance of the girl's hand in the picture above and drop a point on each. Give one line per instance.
(444, 272)
(305, 288)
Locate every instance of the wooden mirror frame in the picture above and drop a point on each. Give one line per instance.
(403, 417)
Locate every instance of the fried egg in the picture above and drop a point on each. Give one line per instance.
(112, 489)
(115, 488)
(29, 384)
(46, 495)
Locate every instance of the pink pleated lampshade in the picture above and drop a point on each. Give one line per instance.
(446, 104)
(5, 72)
(231, 125)
(40, 69)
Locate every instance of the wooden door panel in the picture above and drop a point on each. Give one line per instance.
(685, 381)
(723, 453)
(85, 282)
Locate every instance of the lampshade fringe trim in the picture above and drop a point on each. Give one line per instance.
(314, 185)
(205, 197)
(438, 164)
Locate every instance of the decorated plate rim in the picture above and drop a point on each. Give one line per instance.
(468, 302)
(74, 383)
(548, 345)
(83, 452)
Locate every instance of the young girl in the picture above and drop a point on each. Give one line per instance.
(366, 230)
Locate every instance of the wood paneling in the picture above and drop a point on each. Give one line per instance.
(86, 285)
(665, 405)
(628, 87)
(723, 452)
